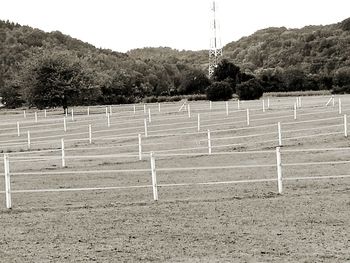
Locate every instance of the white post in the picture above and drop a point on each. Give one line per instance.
(209, 142)
(297, 102)
(110, 110)
(158, 107)
(238, 105)
(140, 147)
(263, 105)
(345, 126)
(45, 113)
(7, 181)
(64, 124)
(154, 177)
(88, 111)
(146, 131)
(268, 103)
(18, 131)
(90, 134)
(149, 115)
(28, 139)
(108, 121)
(339, 106)
(333, 103)
(279, 169)
(295, 111)
(106, 111)
(134, 109)
(66, 112)
(36, 116)
(299, 98)
(329, 101)
(226, 108)
(210, 104)
(63, 153)
(72, 113)
(189, 111)
(144, 108)
(248, 119)
(279, 134)
(24, 114)
(199, 122)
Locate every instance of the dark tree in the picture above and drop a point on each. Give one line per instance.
(249, 90)
(227, 71)
(58, 81)
(219, 91)
(194, 82)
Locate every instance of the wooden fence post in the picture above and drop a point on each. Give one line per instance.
(345, 126)
(18, 131)
(189, 111)
(64, 124)
(90, 134)
(63, 153)
(146, 130)
(7, 181)
(149, 115)
(209, 142)
(263, 105)
(140, 147)
(108, 121)
(199, 122)
(279, 134)
(279, 169)
(28, 139)
(154, 177)
(339, 104)
(248, 118)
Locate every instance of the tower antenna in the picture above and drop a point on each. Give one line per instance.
(215, 50)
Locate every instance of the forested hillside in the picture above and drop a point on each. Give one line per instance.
(37, 68)
(51, 69)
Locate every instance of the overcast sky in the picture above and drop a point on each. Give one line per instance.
(121, 25)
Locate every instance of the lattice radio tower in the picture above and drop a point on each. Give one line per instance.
(215, 50)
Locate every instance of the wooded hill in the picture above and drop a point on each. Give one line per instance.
(314, 57)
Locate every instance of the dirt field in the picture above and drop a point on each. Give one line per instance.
(242, 222)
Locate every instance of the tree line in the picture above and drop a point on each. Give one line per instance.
(42, 70)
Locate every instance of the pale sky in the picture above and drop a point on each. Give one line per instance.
(181, 24)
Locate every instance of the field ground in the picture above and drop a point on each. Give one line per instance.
(192, 221)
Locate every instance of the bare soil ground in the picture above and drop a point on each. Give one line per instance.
(247, 222)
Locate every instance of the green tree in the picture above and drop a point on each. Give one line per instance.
(249, 90)
(220, 90)
(194, 82)
(58, 80)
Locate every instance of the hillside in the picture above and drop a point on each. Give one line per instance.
(23, 49)
(313, 49)
(313, 57)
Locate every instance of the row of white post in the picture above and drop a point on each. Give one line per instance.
(153, 164)
(198, 128)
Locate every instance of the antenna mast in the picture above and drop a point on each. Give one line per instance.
(215, 50)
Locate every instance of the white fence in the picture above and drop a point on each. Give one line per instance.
(208, 128)
(153, 170)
